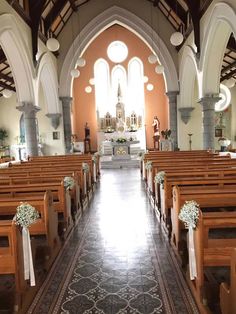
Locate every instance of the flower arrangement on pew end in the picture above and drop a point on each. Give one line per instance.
(69, 183)
(25, 216)
(189, 214)
(148, 165)
(159, 177)
(141, 155)
(85, 167)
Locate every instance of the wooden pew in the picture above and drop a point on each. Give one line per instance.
(11, 259)
(207, 162)
(47, 224)
(61, 199)
(183, 179)
(205, 197)
(228, 293)
(211, 251)
(45, 170)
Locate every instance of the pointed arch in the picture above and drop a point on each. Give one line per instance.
(18, 56)
(123, 17)
(188, 75)
(221, 23)
(47, 76)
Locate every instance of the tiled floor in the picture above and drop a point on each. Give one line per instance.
(117, 259)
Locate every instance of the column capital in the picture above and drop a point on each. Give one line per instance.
(172, 95)
(28, 108)
(66, 100)
(209, 100)
(185, 113)
(55, 119)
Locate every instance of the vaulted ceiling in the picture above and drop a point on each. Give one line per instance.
(48, 17)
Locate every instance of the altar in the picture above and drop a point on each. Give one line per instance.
(121, 151)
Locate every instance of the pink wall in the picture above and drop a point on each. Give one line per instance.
(83, 109)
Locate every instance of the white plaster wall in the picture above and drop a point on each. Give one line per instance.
(233, 117)
(50, 146)
(194, 126)
(9, 118)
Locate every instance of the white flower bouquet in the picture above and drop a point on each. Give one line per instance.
(25, 215)
(69, 183)
(85, 167)
(148, 165)
(189, 214)
(159, 177)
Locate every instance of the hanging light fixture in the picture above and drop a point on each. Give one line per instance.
(92, 81)
(52, 43)
(176, 38)
(159, 69)
(230, 83)
(88, 89)
(150, 87)
(81, 62)
(75, 73)
(7, 93)
(145, 79)
(152, 58)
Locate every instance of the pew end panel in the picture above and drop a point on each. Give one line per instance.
(228, 293)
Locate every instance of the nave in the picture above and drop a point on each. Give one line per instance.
(117, 260)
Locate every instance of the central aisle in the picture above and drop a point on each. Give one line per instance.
(117, 259)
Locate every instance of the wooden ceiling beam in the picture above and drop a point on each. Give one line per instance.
(228, 76)
(53, 14)
(6, 78)
(5, 86)
(35, 12)
(3, 57)
(178, 9)
(232, 43)
(73, 6)
(228, 67)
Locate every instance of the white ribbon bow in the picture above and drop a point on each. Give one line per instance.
(28, 260)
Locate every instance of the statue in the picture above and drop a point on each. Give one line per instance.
(87, 131)
(156, 131)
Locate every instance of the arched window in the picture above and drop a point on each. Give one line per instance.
(135, 86)
(118, 77)
(102, 86)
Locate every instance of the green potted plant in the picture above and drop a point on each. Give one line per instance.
(3, 135)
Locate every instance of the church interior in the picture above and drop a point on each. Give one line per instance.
(118, 156)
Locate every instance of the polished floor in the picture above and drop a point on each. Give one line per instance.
(117, 259)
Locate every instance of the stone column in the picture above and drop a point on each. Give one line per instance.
(31, 137)
(173, 116)
(66, 109)
(208, 108)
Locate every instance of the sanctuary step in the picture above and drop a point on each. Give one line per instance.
(107, 149)
(108, 163)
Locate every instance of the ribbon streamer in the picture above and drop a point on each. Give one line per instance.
(150, 180)
(192, 256)
(28, 260)
(85, 184)
(94, 172)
